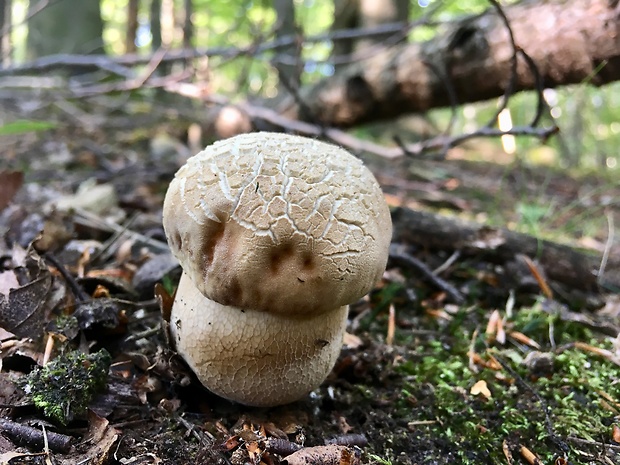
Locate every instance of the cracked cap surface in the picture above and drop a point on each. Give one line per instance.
(278, 223)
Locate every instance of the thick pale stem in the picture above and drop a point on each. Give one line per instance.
(254, 358)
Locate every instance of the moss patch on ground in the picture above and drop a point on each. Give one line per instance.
(485, 400)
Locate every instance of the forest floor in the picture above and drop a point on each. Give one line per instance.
(513, 372)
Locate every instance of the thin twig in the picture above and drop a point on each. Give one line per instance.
(357, 145)
(143, 334)
(399, 254)
(205, 438)
(255, 49)
(614, 447)
(448, 263)
(89, 219)
(608, 245)
(513, 64)
(539, 83)
(450, 90)
(78, 291)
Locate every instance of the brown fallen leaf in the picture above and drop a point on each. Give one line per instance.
(10, 183)
(481, 388)
(97, 446)
(495, 328)
(25, 308)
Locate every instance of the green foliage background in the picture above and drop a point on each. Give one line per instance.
(588, 117)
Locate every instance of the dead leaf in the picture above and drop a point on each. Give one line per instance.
(24, 348)
(6, 447)
(92, 197)
(10, 183)
(495, 328)
(352, 341)
(96, 446)
(8, 281)
(25, 309)
(481, 388)
(393, 200)
(141, 460)
(439, 199)
(5, 335)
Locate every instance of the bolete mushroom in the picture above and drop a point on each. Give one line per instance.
(276, 234)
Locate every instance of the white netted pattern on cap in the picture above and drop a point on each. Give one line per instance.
(299, 213)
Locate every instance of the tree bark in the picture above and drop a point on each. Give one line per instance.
(6, 21)
(570, 42)
(132, 26)
(155, 18)
(286, 26)
(346, 14)
(188, 25)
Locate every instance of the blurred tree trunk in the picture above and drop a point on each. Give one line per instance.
(363, 14)
(346, 14)
(6, 20)
(67, 26)
(188, 25)
(132, 25)
(577, 42)
(155, 17)
(288, 72)
(373, 13)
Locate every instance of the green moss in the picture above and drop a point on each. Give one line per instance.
(64, 387)
(375, 459)
(67, 325)
(439, 377)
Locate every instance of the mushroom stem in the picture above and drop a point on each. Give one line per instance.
(252, 357)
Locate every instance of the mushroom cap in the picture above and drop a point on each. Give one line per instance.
(278, 223)
(252, 357)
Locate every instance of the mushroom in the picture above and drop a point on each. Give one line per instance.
(276, 234)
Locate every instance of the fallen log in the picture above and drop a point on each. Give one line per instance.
(561, 263)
